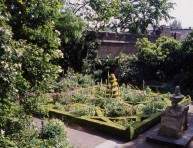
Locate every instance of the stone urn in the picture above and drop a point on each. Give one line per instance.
(176, 97)
(174, 119)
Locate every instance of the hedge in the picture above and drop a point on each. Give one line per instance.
(112, 129)
(101, 124)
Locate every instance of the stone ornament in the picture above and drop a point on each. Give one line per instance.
(174, 120)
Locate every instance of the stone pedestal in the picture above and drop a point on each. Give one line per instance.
(174, 121)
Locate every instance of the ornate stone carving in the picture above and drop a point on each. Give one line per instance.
(174, 119)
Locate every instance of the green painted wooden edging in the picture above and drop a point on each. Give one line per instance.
(116, 130)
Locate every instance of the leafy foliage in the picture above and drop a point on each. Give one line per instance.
(29, 22)
(185, 76)
(73, 80)
(28, 47)
(124, 66)
(79, 47)
(160, 60)
(128, 15)
(116, 108)
(105, 9)
(53, 128)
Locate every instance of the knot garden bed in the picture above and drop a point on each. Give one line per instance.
(126, 116)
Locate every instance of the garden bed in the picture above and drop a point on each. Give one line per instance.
(126, 116)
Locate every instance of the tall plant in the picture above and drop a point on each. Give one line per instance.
(25, 66)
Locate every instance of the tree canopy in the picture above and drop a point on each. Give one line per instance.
(131, 15)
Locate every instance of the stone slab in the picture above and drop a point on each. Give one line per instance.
(181, 142)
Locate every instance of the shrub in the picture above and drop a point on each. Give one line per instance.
(98, 102)
(59, 106)
(114, 107)
(73, 80)
(144, 110)
(33, 105)
(82, 109)
(135, 97)
(126, 123)
(52, 128)
(6, 142)
(73, 97)
(53, 134)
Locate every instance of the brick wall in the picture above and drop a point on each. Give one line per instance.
(113, 44)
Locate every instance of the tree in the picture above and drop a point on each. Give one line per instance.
(137, 15)
(71, 30)
(36, 37)
(34, 21)
(97, 12)
(131, 15)
(176, 25)
(28, 47)
(105, 9)
(186, 76)
(161, 60)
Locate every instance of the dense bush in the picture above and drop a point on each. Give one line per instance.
(82, 109)
(33, 105)
(52, 128)
(161, 60)
(124, 67)
(114, 107)
(73, 80)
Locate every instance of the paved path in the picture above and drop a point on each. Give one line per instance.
(82, 137)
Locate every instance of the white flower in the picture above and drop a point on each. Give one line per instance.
(60, 70)
(19, 65)
(7, 32)
(41, 50)
(1, 17)
(18, 53)
(7, 49)
(6, 66)
(60, 53)
(2, 29)
(58, 32)
(2, 132)
(58, 41)
(5, 79)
